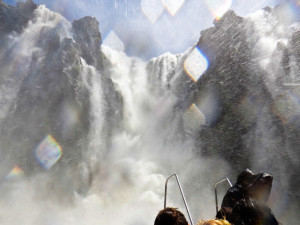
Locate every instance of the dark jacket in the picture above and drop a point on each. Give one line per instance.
(244, 204)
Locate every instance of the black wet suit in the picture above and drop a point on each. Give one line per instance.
(240, 206)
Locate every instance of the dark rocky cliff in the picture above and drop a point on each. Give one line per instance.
(236, 79)
(250, 126)
(13, 19)
(50, 89)
(250, 119)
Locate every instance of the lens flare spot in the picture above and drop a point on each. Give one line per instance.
(193, 118)
(290, 11)
(152, 9)
(15, 172)
(218, 7)
(48, 152)
(209, 104)
(196, 64)
(113, 41)
(172, 6)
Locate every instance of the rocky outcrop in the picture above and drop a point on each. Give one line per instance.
(54, 94)
(13, 19)
(249, 126)
(234, 78)
(295, 50)
(52, 72)
(87, 36)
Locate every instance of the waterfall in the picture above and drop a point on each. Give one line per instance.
(274, 136)
(92, 82)
(149, 144)
(274, 35)
(275, 55)
(118, 126)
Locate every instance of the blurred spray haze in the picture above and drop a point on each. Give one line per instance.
(89, 137)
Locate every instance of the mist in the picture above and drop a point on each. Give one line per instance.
(89, 134)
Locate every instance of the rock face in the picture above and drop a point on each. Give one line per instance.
(51, 95)
(236, 80)
(88, 37)
(55, 80)
(15, 18)
(250, 126)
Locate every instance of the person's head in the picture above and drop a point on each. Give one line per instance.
(261, 187)
(258, 186)
(170, 216)
(214, 222)
(245, 178)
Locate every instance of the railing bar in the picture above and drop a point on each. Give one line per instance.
(216, 194)
(182, 195)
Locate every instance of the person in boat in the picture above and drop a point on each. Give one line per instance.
(245, 202)
(170, 216)
(213, 222)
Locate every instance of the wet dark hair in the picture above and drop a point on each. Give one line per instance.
(170, 216)
(245, 178)
(244, 203)
(258, 186)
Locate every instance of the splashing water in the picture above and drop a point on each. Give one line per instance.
(146, 148)
(275, 29)
(153, 140)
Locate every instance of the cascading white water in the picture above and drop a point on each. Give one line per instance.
(147, 147)
(274, 30)
(92, 81)
(274, 33)
(151, 143)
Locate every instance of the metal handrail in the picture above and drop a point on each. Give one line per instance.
(182, 194)
(216, 194)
